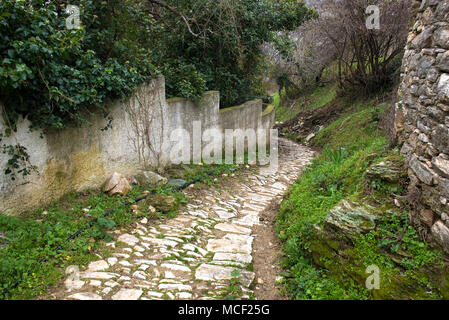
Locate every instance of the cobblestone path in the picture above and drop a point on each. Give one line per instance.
(192, 256)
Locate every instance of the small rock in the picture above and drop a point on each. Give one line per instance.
(161, 202)
(125, 263)
(441, 234)
(128, 239)
(106, 290)
(85, 296)
(351, 218)
(117, 184)
(112, 261)
(260, 281)
(388, 170)
(73, 284)
(150, 179)
(310, 137)
(177, 183)
(95, 283)
(427, 217)
(95, 266)
(127, 294)
(98, 275)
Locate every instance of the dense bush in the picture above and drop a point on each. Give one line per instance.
(55, 76)
(223, 46)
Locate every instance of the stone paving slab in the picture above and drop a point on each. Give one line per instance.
(192, 256)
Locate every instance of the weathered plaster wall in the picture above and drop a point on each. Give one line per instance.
(422, 115)
(77, 159)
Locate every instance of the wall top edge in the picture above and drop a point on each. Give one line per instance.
(268, 110)
(239, 106)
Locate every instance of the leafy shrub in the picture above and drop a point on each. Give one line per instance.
(55, 76)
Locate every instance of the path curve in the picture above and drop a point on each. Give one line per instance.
(193, 256)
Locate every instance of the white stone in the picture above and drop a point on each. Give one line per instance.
(174, 286)
(140, 275)
(111, 284)
(145, 261)
(192, 247)
(95, 266)
(229, 245)
(249, 220)
(112, 261)
(443, 85)
(239, 257)
(209, 272)
(95, 283)
(161, 242)
(184, 295)
(279, 186)
(128, 239)
(127, 294)
(175, 267)
(228, 227)
(106, 290)
(125, 263)
(121, 255)
(144, 267)
(155, 294)
(73, 284)
(223, 214)
(85, 296)
(98, 275)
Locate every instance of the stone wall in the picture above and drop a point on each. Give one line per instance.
(77, 159)
(422, 115)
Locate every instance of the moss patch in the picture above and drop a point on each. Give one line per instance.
(320, 263)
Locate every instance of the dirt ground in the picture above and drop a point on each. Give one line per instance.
(267, 256)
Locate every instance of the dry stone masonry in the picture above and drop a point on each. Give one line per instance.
(194, 255)
(422, 115)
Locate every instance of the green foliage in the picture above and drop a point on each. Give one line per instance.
(310, 99)
(18, 162)
(308, 283)
(234, 289)
(350, 145)
(58, 77)
(55, 76)
(35, 237)
(226, 55)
